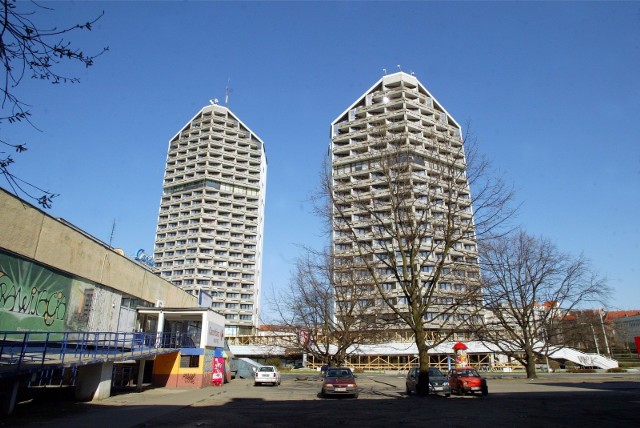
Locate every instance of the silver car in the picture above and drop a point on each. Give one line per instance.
(267, 374)
(438, 382)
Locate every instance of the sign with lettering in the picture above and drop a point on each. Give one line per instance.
(215, 334)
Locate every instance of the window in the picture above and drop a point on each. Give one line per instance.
(189, 361)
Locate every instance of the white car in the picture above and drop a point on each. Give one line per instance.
(267, 374)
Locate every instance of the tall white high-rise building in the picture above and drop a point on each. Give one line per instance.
(402, 218)
(211, 220)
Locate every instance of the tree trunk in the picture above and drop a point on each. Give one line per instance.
(531, 365)
(422, 388)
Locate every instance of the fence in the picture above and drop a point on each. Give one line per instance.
(27, 352)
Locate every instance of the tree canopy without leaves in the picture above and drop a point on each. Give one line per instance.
(27, 50)
(324, 312)
(530, 285)
(408, 231)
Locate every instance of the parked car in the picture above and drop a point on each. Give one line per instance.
(323, 371)
(267, 374)
(466, 380)
(438, 382)
(339, 381)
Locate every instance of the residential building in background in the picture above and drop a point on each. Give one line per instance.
(398, 125)
(211, 220)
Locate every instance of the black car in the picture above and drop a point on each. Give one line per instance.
(438, 382)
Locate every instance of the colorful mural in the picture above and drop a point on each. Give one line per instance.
(34, 298)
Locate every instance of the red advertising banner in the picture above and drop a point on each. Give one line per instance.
(637, 339)
(218, 371)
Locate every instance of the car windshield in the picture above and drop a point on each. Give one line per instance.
(266, 369)
(339, 373)
(435, 372)
(469, 372)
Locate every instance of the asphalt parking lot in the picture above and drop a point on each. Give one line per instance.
(550, 401)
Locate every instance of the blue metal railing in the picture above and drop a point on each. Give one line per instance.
(22, 352)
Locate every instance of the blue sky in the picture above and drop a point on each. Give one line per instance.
(551, 91)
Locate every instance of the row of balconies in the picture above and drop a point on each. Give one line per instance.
(213, 166)
(169, 250)
(417, 140)
(221, 145)
(244, 289)
(238, 174)
(213, 226)
(216, 146)
(208, 203)
(383, 100)
(217, 158)
(208, 240)
(196, 193)
(221, 177)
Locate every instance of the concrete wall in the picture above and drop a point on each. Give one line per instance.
(31, 233)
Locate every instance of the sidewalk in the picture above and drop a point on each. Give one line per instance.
(123, 410)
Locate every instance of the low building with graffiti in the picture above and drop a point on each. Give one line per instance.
(67, 297)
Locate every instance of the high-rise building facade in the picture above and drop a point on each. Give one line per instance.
(402, 214)
(211, 220)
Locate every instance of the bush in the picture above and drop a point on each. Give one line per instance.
(578, 370)
(276, 362)
(617, 370)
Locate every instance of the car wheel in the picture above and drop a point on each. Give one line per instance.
(408, 390)
(485, 392)
(355, 395)
(255, 384)
(447, 395)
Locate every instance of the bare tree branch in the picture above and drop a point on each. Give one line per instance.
(397, 198)
(327, 311)
(529, 287)
(26, 49)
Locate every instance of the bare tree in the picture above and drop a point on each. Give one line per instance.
(585, 330)
(326, 310)
(530, 286)
(407, 226)
(27, 50)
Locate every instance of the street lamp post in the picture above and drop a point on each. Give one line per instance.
(595, 339)
(604, 333)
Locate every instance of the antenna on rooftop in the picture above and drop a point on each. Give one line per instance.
(227, 91)
(412, 73)
(384, 70)
(113, 231)
(213, 101)
(399, 68)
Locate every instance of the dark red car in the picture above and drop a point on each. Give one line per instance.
(466, 380)
(339, 381)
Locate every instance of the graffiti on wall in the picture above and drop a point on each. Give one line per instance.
(35, 298)
(39, 301)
